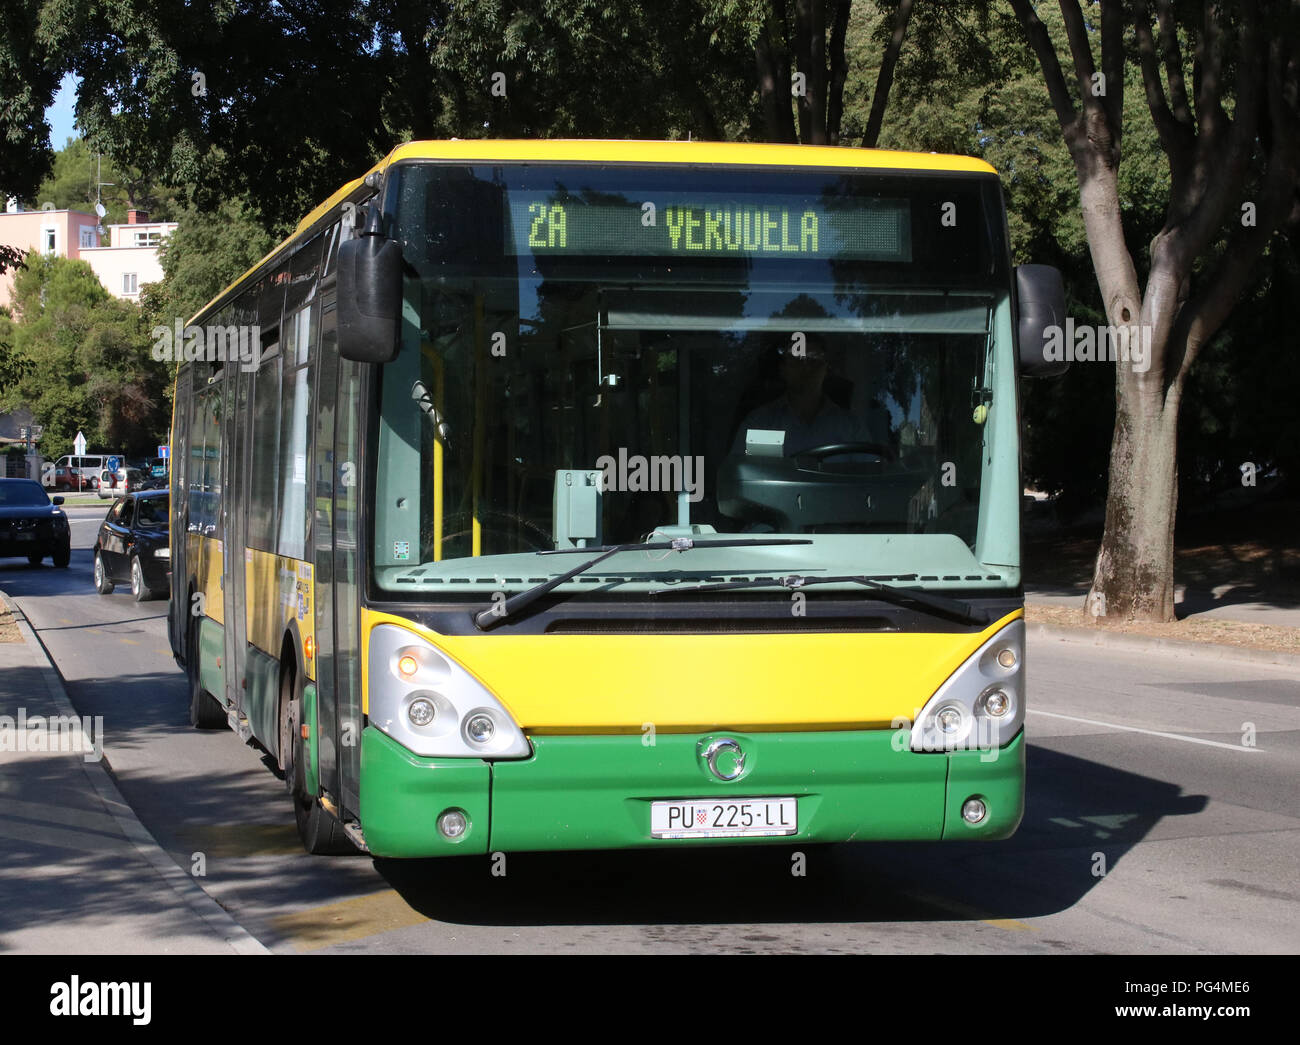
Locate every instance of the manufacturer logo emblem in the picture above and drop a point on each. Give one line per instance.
(725, 759)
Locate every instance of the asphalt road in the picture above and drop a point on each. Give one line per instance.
(1151, 827)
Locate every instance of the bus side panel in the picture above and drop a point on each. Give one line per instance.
(262, 698)
(278, 600)
(279, 591)
(204, 554)
(211, 643)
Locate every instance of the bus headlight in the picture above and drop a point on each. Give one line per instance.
(421, 711)
(479, 728)
(981, 705)
(431, 705)
(949, 719)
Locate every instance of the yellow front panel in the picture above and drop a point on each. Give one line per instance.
(278, 590)
(688, 683)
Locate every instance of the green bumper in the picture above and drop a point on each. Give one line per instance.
(594, 792)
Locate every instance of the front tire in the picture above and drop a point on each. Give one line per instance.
(62, 557)
(34, 559)
(102, 584)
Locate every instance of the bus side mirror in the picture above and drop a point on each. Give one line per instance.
(370, 294)
(1040, 318)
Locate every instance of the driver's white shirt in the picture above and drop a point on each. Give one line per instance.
(832, 425)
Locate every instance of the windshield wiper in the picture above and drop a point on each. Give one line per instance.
(496, 613)
(949, 607)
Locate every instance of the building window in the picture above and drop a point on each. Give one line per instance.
(146, 239)
(51, 241)
(87, 236)
(128, 283)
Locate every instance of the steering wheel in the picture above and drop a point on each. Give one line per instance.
(820, 453)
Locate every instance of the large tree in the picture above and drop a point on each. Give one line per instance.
(208, 251)
(79, 359)
(1221, 85)
(284, 102)
(29, 76)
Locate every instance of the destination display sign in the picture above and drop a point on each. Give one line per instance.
(702, 226)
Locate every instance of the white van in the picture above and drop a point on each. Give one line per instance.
(87, 466)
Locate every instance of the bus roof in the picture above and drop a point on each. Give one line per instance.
(595, 150)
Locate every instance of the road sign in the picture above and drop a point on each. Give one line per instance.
(112, 464)
(79, 445)
(164, 451)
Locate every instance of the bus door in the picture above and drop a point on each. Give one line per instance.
(178, 613)
(234, 526)
(336, 595)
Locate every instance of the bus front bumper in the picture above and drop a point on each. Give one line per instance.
(595, 792)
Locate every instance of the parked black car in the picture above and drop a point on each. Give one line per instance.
(132, 546)
(31, 524)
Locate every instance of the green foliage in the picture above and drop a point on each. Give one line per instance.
(1240, 400)
(71, 186)
(283, 103)
(30, 72)
(79, 359)
(254, 113)
(208, 251)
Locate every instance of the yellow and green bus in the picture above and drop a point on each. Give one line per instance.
(600, 494)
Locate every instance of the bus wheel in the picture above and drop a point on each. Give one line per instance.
(205, 711)
(321, 833)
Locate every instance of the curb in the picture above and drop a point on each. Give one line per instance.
(1153, 644)
(216, 917)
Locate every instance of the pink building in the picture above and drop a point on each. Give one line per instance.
(125, 264)
(131, 259)
(63, 233)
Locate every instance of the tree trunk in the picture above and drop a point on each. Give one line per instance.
(885, 77)
(1210, 157)
(1134, 573)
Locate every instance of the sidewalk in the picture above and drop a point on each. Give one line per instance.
(1227, 623)
(1225, 602)
(79, 874)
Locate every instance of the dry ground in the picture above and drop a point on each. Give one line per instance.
(1196, 629)
(1247, 556)
(8, 629)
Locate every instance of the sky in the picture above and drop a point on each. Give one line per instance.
(60, 114)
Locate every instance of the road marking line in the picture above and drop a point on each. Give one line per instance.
(1147, 732)
(131, 642)
(967, 912)
(354, 919)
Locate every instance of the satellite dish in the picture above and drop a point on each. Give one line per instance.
(99, 209)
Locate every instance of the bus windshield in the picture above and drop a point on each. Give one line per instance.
(609, 354)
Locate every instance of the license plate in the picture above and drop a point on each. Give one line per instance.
(723, 818)
(24, 537)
